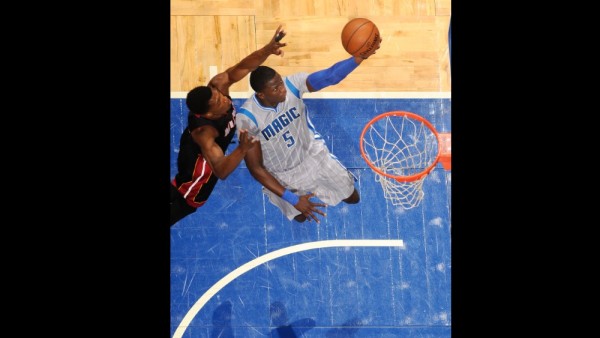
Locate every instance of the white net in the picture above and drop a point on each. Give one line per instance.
(402, 148)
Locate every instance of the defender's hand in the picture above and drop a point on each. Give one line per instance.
(246, 141)
(274, 46)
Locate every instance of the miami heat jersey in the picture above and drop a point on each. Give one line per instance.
(195, 179)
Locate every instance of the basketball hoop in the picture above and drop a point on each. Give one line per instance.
(402, 148)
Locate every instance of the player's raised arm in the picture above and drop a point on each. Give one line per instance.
(237, 72)
(336, 73)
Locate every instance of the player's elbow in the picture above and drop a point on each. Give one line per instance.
(221, 174)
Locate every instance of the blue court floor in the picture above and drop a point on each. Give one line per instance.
(239, 268)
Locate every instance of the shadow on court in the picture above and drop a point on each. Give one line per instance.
(222, 328)
(279, 318)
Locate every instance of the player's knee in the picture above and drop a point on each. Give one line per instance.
(300, 218)
(354, 198)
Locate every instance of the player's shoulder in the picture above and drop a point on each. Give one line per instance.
(204, 132)
(248, 104)
(245, 111)
(296, 84)
(296, 77)
(221, 83)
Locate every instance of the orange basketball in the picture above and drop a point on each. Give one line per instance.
(359, 36)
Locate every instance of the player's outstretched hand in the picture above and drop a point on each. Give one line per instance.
(309, 208)
(274, 46)
(372, 50)
(246, 141)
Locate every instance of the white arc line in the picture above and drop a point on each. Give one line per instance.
(185, 322)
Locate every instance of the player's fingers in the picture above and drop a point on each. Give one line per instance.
(320, 212)
(279, 34)
(309, 195)
(311, 215)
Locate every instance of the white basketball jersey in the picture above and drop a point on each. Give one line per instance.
(286, 133)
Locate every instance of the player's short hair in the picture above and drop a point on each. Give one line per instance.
(197, 99)
(260, 76)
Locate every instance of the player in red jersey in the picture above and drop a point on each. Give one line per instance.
(211, 126)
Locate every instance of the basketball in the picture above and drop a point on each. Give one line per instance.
(359, 36)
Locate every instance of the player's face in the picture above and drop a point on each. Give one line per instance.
(274, 91)
(218, 105)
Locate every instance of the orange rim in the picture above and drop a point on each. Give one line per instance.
(396, 177)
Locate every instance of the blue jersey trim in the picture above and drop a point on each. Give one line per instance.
(311, 127)
(292, 88)
(247, 113)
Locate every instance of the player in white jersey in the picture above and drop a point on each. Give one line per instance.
(293, 163)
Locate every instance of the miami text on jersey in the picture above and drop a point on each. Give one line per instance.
(231, 123)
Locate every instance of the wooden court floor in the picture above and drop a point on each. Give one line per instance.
(413, 56)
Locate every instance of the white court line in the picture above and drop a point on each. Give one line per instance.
(212, 71)
(345, 95)
(185, 322)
